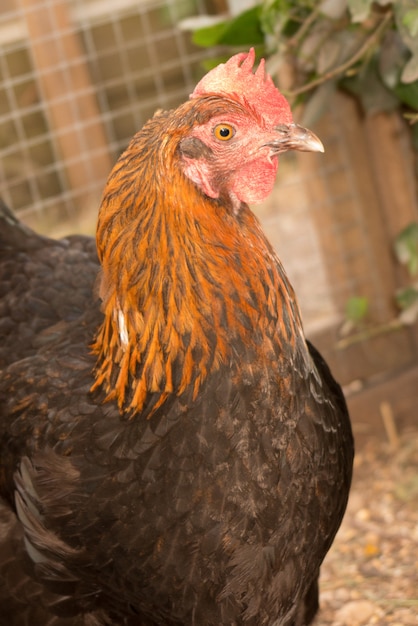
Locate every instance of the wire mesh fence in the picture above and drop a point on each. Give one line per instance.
(77, 79)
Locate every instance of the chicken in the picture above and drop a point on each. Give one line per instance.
(172, 448)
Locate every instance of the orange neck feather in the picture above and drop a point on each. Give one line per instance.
(184, 279)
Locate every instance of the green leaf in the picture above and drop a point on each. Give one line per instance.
(410, 21)
(408, 302)
(210, 35)
(406, 19)
(283, 17)
(406, 247)
(393, 55)
(408, 94)
(356, 308)
(243, 30)
(406, 297)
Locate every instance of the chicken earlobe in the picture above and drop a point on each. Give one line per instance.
(196, 164)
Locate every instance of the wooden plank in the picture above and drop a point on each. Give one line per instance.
(392, 165)
(350, 223)
(69, 96)
(371, 357)
(398, 390)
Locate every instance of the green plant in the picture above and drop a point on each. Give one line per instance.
(351, 43)
(406, 250)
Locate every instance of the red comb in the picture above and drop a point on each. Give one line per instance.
(236, 77)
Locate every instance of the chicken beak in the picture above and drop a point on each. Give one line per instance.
(295, 137)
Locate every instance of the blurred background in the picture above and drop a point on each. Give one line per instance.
(79, 77)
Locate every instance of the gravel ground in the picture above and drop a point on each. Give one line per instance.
(370, 575)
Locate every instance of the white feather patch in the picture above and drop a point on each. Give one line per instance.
(123, 331)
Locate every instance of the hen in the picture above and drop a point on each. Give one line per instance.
(177, 454)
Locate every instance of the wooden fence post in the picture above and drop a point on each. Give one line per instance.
(70, 101)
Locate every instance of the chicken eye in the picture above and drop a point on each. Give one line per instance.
(224, 132)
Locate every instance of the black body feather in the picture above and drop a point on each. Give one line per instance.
(209, 509)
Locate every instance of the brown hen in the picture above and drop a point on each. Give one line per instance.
(179, 455)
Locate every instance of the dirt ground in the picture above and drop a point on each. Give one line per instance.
(370, 575)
